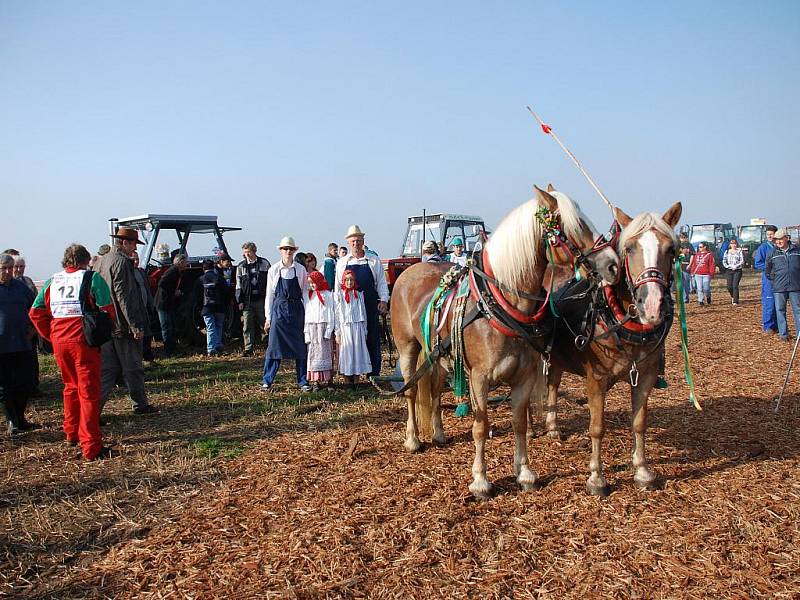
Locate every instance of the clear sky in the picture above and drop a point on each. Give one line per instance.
(300, 118)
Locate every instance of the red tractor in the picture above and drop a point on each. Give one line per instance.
(442, 228)
(198, 237)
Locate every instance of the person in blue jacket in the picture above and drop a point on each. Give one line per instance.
(769, 322)
(783, 270)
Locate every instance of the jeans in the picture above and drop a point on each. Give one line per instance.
(215, 324)
(703, 283)
(687, 282)
(734, 277)
(780, 310)
(167, 330)
(271, 370)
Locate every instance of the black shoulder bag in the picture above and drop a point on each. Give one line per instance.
(97, 325)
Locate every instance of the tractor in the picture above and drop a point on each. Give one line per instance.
(198, 237)
(714, 235)
(442, 228)
(751, 237)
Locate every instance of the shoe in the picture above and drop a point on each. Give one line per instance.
(702, 304)
(105, 452)
(305, 388)
(736, 304)
(28, 426)
(785, 338)
(71, 443)
(661, 383)
(213, 353)
(247, 353)
(147, 409)
(265, 387)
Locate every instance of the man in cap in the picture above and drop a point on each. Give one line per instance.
(783, 271)
(251, 285)
(371, 279)
(123, 353)
(769, 322)
(457, 256)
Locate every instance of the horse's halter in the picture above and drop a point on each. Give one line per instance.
(646, 275)
(551, 222)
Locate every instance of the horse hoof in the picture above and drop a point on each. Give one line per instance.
(481, 491)
(554, 434)
(439, 440)
(527, 486)
(412, 446)
(602, 491)
(649, 485)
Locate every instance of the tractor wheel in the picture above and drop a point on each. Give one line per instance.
(189, 323)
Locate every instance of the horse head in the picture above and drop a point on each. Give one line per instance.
(578, 244)
(647, 248)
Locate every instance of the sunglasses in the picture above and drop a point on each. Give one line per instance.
(290, 249)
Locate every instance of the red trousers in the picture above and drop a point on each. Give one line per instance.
(80, 370)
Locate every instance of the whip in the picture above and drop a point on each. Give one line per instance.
(549, 131)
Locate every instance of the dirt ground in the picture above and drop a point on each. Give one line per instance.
(231, 493)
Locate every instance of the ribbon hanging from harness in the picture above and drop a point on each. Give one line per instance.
(685, 336)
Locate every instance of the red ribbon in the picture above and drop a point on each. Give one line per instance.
(545, 128)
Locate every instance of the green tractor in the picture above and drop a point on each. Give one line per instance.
(198, 237)
(713, 235)
(750, 238)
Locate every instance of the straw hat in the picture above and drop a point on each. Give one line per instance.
(128, 233)
(287, 242)
(353, 231)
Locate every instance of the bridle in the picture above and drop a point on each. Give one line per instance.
(556, 238)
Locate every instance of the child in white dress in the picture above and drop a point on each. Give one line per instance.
(351, 329)
(319, 325)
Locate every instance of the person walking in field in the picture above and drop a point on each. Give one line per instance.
(733, 261)
(251, 286)
(702, 267)
(769, 320)
(351, 329)
(783, 271)
(287, 289)
(57, 315)
(319, 326)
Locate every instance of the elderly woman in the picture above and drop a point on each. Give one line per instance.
(284, 307)
(57, 314)
(17, 369)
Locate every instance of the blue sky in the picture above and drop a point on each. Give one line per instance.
(301, 118)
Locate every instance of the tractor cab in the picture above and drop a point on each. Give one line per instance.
(750, 238)
(198, 237)
(442, 228)
(713, 235)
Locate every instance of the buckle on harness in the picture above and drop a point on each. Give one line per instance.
(634, 375)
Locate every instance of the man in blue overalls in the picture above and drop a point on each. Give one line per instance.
(371, 279)
(284, 307)
(769, 321)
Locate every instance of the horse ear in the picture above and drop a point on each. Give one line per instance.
(545, 199)
(550, 188)
(673, 215)
(622, 217)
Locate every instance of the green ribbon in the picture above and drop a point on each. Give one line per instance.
(685, 336)
(553, 279)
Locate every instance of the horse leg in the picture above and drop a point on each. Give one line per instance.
(643, 477)
(596, 391)
(480, 487)
(551, 419)
(520, 399)
(408, 362)
(537, 401)
(438, 377)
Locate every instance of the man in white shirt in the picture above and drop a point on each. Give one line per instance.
(372, 281)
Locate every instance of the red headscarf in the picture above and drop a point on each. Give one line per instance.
(355, 286)
(321, 283)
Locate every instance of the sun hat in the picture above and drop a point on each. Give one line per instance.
(353, 231)
(128, 233)
(781, 233)
(287, 242)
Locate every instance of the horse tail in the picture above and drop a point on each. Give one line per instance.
(424, 403)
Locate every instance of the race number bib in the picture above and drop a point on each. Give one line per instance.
(64, 295)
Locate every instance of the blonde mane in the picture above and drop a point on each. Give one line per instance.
(645, 222)
(516, 243)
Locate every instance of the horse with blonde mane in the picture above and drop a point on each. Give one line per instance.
(625, 343)
(513, 260)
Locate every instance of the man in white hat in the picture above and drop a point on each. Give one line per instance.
(284, 307)
(783, 270)
(371, 279)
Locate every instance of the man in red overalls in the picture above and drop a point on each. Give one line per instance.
(56, 314)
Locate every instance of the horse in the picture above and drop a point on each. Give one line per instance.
(627, 342)
(515, 258)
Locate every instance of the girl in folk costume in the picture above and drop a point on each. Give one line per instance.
(320, 323)
(351, 329)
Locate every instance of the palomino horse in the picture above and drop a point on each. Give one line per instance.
(516, 256)
(627, 341)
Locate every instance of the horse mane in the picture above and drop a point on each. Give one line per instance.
(515, 245)
(644, 222)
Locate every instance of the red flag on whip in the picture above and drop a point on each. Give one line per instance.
(545, 128)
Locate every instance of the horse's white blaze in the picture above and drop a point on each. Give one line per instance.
(649, 244)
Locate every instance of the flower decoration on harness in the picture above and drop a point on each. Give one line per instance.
(549, 221)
